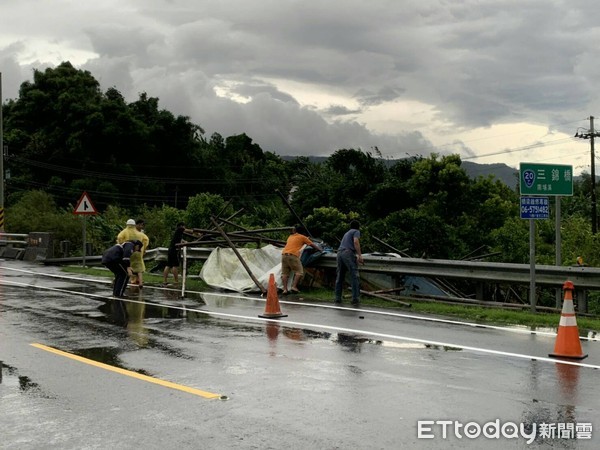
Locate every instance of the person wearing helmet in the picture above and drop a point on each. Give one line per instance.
(131, 233)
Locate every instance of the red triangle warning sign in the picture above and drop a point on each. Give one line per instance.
(85, 205)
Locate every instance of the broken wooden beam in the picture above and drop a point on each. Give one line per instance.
(384, 297)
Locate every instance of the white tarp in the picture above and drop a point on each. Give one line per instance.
(224, 270)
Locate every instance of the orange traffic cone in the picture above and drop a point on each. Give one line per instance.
(567, 340)
(272, 309)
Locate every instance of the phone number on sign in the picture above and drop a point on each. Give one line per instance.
(535, 209)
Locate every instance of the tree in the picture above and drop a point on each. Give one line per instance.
(62, 125)
(512, 241)
(201, 207)
(357, 172)
(439, 185)
(310, 187)
(487, 205)
(329, 224)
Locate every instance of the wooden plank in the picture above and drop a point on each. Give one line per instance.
(384, 297)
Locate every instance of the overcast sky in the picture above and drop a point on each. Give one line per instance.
(494, 81)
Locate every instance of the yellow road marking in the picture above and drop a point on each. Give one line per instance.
(129, 373)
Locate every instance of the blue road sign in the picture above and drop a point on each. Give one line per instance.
(535, 208)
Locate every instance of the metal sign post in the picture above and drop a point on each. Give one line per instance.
(532, 296)
(540, 181)
(533, 208)
(84, 207)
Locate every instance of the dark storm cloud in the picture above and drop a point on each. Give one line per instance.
(266, 67)
(340, 110)
(251, 90)
(385, 94)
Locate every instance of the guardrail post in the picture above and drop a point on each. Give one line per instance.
(581, 297)
(480, 291)
(65, 248)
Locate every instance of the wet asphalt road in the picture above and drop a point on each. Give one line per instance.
(320, 378)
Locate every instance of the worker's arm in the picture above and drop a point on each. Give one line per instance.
(358, 251)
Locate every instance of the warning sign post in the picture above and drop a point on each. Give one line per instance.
(84, 208)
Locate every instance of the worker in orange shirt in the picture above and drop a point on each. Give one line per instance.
(290, 258)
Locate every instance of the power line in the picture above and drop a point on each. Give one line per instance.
(520, 149)
(136, 178)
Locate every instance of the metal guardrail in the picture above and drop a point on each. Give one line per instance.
(584, 278)
(13, 239)
(155, 254)
(549, 276)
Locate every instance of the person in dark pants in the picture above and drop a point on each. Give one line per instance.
(349, 256)
(117, 259)
(173, 254)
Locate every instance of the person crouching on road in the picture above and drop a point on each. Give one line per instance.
(117, 259)
(290, 258)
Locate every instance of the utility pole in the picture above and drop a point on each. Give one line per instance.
(591, 134)
(594, 215)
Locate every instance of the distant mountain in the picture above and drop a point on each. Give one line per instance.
(502, 172)
(508, 175)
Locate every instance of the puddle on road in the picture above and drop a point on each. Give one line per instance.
(139, 318)
(108, 356)
(11, 380)
(354, 343)
(122, 312)
(350, 342)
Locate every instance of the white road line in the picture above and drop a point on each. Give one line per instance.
(366, 311)
(326, 327)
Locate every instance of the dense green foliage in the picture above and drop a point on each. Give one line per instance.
(64, 135)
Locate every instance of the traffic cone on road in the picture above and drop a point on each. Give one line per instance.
(567, 343)
(272, 309)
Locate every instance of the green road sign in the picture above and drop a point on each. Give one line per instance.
(545, 179)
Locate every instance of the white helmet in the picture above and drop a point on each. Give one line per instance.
(131, 222)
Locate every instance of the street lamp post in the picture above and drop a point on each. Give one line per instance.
(590, 134)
